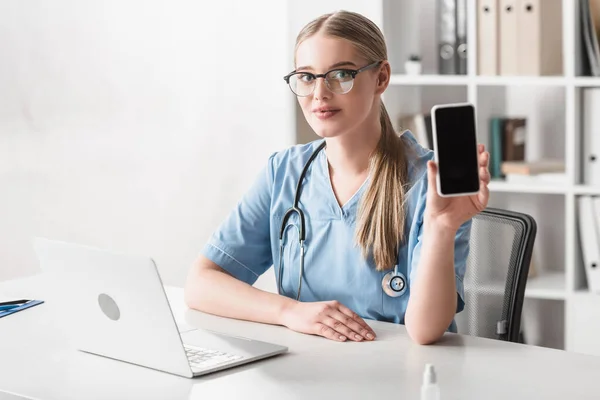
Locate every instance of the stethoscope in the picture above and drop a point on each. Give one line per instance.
(393, 283)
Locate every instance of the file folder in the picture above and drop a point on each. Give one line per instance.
(447, 58)
(591, 135)
(588, 239)
(461, 37)
(540, 37)
(509, 37)
(594, 27)
(487, 37)
(595, 17)
(593, 272)
(590, 39)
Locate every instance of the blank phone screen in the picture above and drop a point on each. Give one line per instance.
(457, 149)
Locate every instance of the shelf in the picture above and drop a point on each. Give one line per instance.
(521, 80)
(500, 186)
(407, 80)
(445, 80)
(587, 81)
(546, 286)
(585, 293)
(587, 190)
(553, 106)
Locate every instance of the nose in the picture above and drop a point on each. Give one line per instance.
(321, 92)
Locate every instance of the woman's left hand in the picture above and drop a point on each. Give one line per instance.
(452, 212)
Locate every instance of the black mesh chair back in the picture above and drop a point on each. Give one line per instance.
(500, 251)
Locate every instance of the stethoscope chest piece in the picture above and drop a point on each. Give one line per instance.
(394, 283)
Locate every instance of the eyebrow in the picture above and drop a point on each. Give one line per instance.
(338, 64)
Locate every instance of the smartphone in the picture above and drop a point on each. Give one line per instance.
(455, 149)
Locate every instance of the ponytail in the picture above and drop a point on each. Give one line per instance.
(380, 226)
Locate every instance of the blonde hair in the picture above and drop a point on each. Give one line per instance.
(380, 223)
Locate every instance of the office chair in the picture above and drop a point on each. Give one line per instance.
(500, 250)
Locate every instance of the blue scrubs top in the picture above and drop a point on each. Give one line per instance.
(246, 244)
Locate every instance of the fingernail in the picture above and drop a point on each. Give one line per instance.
(370, 336)
(358, 337)
(342, 337)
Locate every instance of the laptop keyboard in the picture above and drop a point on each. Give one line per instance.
(201, 358)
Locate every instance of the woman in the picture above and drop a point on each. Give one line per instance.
(379, 243)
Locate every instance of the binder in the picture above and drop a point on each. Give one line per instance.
(514, 139)
(487, 37)
(588, 239)
(540, 37)
(593, 270)
(461, 37)
(594, 15)
(509, 37)
(589, 39)
(496, 144)
(447, 37)
(591, 136)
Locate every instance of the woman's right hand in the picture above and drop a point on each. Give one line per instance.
(329, 319)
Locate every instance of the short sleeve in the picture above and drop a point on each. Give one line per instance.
(461, 252)
(241, 244)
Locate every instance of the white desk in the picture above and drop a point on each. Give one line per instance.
(36, 362)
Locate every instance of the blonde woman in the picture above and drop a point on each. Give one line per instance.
(352, 222)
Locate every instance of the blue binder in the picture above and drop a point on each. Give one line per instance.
(29, 304)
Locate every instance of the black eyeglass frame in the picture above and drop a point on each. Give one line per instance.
(352, 72)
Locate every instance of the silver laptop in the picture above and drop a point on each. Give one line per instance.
(114, 305)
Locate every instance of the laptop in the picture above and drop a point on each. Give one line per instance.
(114, 305)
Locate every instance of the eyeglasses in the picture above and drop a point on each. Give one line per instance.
(339, 81)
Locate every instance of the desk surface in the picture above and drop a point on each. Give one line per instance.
(36, 362)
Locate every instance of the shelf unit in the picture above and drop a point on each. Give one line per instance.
(549, 286)
(552, 105)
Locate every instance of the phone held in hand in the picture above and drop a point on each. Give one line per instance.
(455, 149)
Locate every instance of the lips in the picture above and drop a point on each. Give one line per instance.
(325, 112)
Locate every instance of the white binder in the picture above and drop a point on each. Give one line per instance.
(591, 136)
(509, 37)
(589, 240)
(487, 37)
(540, 37)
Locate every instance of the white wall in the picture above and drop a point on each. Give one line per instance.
(135, 125)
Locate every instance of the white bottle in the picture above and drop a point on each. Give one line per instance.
(430, 389)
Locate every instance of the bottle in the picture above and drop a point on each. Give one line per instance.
(430, 389)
